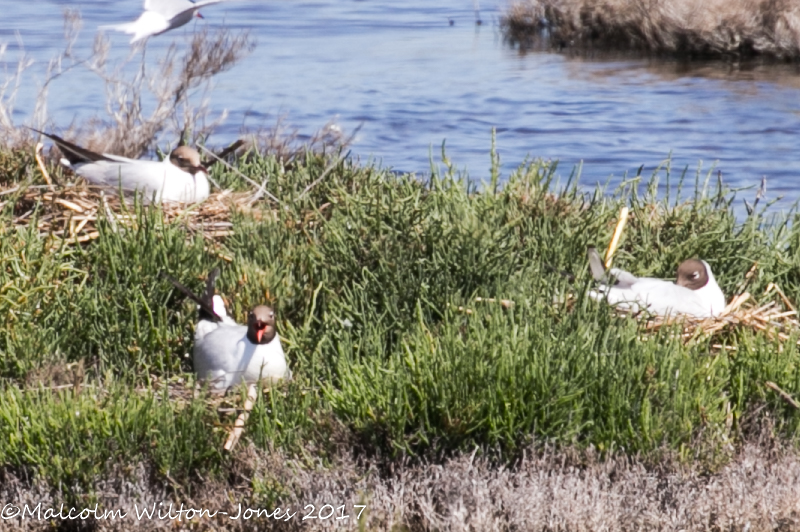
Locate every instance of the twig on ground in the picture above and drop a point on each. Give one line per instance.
(237, 172)
(785, 396)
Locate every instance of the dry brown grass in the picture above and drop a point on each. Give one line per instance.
(140, 105)
(545, 490)
(738, 28)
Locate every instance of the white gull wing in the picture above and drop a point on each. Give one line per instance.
(225, 358)
(148, 24)
(160, 16)
(160, 179)
(662, 298)
(204, 327)
(169, 9)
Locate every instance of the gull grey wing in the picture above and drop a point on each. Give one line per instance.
(203, 3)
(72, 152)
(168, 8)
(622, 278)
(596, 264)
(619, 278)
(171, 9)
(134, 174)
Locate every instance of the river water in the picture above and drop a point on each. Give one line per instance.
(417, 73)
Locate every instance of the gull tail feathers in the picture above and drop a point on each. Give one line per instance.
(126, 27)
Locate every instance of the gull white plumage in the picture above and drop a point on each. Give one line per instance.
(695, 293)
(180, 178)
(161, 16)
(226, 353)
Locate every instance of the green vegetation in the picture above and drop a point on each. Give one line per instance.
(371, 273)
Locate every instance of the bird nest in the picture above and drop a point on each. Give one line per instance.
(777, 319)
(71, 214)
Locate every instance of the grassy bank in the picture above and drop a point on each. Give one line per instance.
(372, 275)
(684, 28)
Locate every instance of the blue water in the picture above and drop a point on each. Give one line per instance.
(412, 81)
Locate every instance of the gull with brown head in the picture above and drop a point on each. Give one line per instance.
(226, 353)
(180, 178)
(695, 293)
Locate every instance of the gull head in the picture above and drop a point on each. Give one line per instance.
(187, 159)
(261, 325)
(692, 274)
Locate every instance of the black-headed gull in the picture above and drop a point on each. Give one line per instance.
(695, 293)
(227, 354)
(231, 354)
(180, 178)
(161, 16)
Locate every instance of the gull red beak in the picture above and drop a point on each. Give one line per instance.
(198, 14)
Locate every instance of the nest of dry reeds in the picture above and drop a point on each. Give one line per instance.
(70, 214)
(777, 319)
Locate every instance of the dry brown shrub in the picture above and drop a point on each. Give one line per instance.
(680, 27)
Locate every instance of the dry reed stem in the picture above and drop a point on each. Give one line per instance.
(238, 426)
(612, 247)
(785, 396)
(37, 154)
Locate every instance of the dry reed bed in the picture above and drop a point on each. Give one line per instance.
(71, 213)
(546, 490)
(709, 28)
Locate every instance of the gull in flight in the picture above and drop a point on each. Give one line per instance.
(161, 16)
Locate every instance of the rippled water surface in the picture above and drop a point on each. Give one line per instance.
(414, 80)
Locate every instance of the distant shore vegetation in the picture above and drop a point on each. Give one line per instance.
(733, 29)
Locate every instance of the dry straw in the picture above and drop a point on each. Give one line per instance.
(777, 318)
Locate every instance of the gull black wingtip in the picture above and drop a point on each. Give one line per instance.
(208, 163)
(72, 152)
(206, 304)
